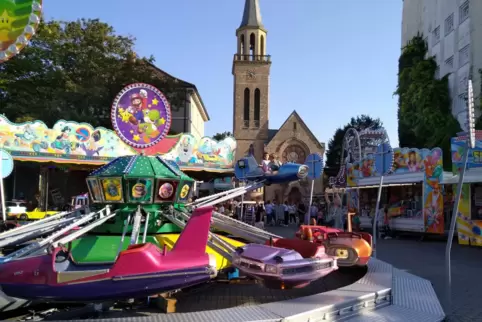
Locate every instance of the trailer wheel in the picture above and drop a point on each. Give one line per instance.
(23, 217)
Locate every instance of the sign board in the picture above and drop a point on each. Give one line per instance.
(314, 162)
(141, 115)
(6, 166)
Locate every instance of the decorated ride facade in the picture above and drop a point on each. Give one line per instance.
(58, 159)
(412, 189)
(469, 216)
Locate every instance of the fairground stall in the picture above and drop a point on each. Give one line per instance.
(412, 190)
(469, 217)
(55, 161)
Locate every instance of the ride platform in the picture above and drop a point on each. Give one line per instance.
(382, 293)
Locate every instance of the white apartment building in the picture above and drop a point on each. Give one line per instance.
(453, 31)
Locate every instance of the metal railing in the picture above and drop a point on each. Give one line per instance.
(253, 58)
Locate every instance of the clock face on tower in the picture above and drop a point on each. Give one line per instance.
(251, 74)
(294, 153)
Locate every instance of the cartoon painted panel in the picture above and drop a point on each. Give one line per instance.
(404, 161)
(165, 191)
(68, 141)
(140, 190)
(432, 192)
(475, 155)
(465, 226)
(184, 192)
(94, 189)
(408, 160)
(112, 188)
(207, 154)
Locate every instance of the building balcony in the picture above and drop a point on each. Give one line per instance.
(253, 58)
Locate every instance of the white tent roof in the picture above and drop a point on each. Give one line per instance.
(471, 176)
(398, 179)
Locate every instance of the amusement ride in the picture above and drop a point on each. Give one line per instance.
(143, 236)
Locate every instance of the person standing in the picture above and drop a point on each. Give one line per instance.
(292, 213)
(259, 212)
(286, 213)
(386, 224)
(269, 212)
(301, 213)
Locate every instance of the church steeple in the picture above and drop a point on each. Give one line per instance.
(251, 69)
(251, 33)
(252, 15)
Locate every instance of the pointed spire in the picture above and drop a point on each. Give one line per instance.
(251, 15)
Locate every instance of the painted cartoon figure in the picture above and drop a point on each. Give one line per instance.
(149, 127)
(434, 207)
(185, 151)
(91, 148)
(62, 141)
(413, 162)
(366, 168)
(399, 160)
(137, 107)
(28, 135)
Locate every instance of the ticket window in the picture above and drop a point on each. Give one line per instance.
(476, 201)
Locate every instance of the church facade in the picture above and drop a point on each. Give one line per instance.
(293, 141)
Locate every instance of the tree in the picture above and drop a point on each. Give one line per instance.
(73, 71)
(425, 118)
(335, 145)
(222, 136)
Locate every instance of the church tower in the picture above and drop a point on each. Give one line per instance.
(251, 68)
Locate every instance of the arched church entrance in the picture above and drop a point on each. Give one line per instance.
(294, 195)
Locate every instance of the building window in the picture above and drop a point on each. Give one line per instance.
(257, 107)
(436, 35)
(464, 55)
(449, 63)
(464, 11)
(246, 107)
(295, 126)
(449, 24)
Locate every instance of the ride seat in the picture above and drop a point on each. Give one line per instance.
(304, 248)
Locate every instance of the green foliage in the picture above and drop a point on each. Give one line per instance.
(222, 136)
(335, 145)
(73, 71)
(425, 119)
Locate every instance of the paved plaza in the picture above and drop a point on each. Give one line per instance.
(427, 260)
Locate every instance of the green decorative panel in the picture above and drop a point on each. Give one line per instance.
(141, 167)
(115, 168)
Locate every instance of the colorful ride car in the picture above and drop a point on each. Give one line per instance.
(36, 214)
(350, 248)
(284, 263)
(249, 170)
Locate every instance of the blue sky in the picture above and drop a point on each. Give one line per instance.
(331, 59)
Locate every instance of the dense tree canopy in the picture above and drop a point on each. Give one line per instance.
(222, 136)
(335, 145)
(425, 118)
(73, 71)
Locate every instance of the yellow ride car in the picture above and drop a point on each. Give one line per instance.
(36, 214)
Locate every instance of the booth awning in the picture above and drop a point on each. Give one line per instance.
(471, 176)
